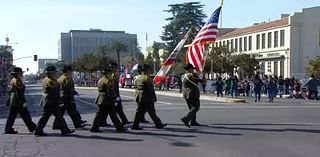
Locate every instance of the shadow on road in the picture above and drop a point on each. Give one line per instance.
(199, 130)
(229, 127)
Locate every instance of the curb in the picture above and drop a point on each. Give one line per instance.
(175, 94)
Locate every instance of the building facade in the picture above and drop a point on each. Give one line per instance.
(76, 43)
(283, 47)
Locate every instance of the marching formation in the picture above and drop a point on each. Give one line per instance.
(58, 98)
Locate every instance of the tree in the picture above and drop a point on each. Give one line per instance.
(246, 64)
(88, 63)
(149, 59)
(314, 67)
(184, 16)
(221, 58)
(105, 56)
(155, 55)
(118, 47)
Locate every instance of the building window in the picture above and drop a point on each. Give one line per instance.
(269, 39)
(236, 45)
(319, 36)
(258, 42)
(282, 38)
(240, 44)
(263, 40)
(232, 45)
(228, 45)
(275, 39)
(269, 67)
(275, 68)
(245, 43)
(250, 43)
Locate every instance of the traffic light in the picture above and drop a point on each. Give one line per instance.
(35, 57)
(27, 69)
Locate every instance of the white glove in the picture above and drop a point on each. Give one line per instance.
(25, 104)
(61, 105)
(118, 99)
(115, 104)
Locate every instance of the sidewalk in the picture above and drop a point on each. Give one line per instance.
(175, 93)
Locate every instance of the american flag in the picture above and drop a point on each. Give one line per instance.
(207, 34)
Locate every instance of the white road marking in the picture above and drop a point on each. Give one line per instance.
(85, 102)
(162, 102)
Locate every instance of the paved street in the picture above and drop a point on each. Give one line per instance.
(286, 128)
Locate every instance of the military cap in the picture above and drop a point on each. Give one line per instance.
(51, 69)
(107, 70)
(188, 66)
(66, 68)
(145, 67)
(16, 70)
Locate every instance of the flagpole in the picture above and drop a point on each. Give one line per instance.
(221, 13)
(207, 51)
(146, 43)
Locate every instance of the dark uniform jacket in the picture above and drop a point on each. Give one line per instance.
(17, 92)
(116, 84)
(67, 91)
(144, 89)
(51, 92)
(107, 94)
(190, 83)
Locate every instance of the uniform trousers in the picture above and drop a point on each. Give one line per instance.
(49, 110)
(25, 115)
(103, 111)
(143, 108)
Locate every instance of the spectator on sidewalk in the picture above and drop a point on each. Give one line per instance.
(271, 88)
(281, 85)
(257, 88)
(312, 85)
(234, 86)
(204, 84)
(227, 86)
(219, 86)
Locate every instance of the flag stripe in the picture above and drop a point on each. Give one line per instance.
(208, 33)
(170, 60)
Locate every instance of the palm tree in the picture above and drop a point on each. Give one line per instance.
(118, 46)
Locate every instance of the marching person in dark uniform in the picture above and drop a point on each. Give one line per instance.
(145, 97)
(191, 94)
(119, 108)
(106, 102)
(143, 119)
(67, 93)
(18, 103)
(50, 102)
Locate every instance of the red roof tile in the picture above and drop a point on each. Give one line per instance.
(256, 28)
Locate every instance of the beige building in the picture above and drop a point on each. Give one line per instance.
(283, 47)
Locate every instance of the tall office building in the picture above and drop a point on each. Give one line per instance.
(76, 43)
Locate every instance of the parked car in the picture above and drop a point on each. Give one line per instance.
(126, 80)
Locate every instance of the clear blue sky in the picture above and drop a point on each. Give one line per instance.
(36, 24)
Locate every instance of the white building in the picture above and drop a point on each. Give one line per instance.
(283, 47)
